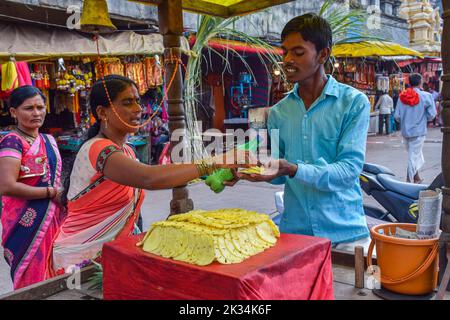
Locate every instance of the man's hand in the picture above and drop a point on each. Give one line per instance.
(234, 159)
(231, 183)
(272, 170)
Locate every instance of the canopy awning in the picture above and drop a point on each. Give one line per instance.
(25, 42)
(389, 50)
(222, 8)
(239, 46)
(372, 49)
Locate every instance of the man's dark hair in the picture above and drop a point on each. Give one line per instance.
(313, 28)
(415, 79)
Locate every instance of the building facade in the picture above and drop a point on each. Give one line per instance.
(424, 24)
(412, 23)
(125, 15)
(384, 19)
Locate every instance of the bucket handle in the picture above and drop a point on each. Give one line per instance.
(410, 276)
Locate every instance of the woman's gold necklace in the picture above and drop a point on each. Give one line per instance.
(29, 138)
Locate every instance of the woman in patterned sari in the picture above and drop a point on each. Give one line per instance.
(30, 185)
(105, 194)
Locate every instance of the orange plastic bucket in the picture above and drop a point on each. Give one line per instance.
(407, 266)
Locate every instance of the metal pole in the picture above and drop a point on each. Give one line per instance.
(444, 240)
(170, 16)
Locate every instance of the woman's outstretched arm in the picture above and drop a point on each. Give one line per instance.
(123, 170)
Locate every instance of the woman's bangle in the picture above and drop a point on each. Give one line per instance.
(206, 167)
(55, 193)
(50, 194)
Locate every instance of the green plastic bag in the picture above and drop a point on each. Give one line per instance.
(215, 181)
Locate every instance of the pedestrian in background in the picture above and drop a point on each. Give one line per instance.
(414, 109)
(436, 97)
(385, 105)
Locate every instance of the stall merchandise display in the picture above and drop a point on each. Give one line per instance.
(108, 66)
(357, 73)
(135, 71)
(430, 71)
(69, 142)
(372, 101)
(74, 79)
(66, 84)
(10, 80)
(201, 237)
(40, 77)
(146, 72)
(382, 83)
(13, 74)
(396, 83)
(153, 72)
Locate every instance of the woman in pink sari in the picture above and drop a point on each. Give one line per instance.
(30, 186)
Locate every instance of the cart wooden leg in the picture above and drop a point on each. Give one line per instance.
(445, 279)
(359, 267)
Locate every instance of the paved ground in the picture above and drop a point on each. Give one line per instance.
(385, 150)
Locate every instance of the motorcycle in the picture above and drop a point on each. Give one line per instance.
(399, 199)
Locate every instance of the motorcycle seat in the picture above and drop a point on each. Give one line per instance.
(410, 190)
(376, 169)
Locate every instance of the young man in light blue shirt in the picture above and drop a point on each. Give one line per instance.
(322, 126)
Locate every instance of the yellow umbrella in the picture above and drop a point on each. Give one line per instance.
(222, 8)
(372, 49)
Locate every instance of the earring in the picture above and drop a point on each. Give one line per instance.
(106, 123)
(15, 120)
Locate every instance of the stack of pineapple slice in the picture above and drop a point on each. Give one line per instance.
(201, 237)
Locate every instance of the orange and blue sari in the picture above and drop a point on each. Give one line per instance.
(99, 210)
(30, 226)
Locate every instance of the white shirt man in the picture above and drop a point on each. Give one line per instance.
(386, 106)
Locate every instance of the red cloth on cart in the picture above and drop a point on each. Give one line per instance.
(297, 267)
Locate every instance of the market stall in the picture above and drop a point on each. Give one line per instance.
(66, 74)
(373, 67)
(370, 66)
(238, 86)
(430, 68)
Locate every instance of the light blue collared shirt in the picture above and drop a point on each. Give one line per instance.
(413, 119)
(328, 142)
